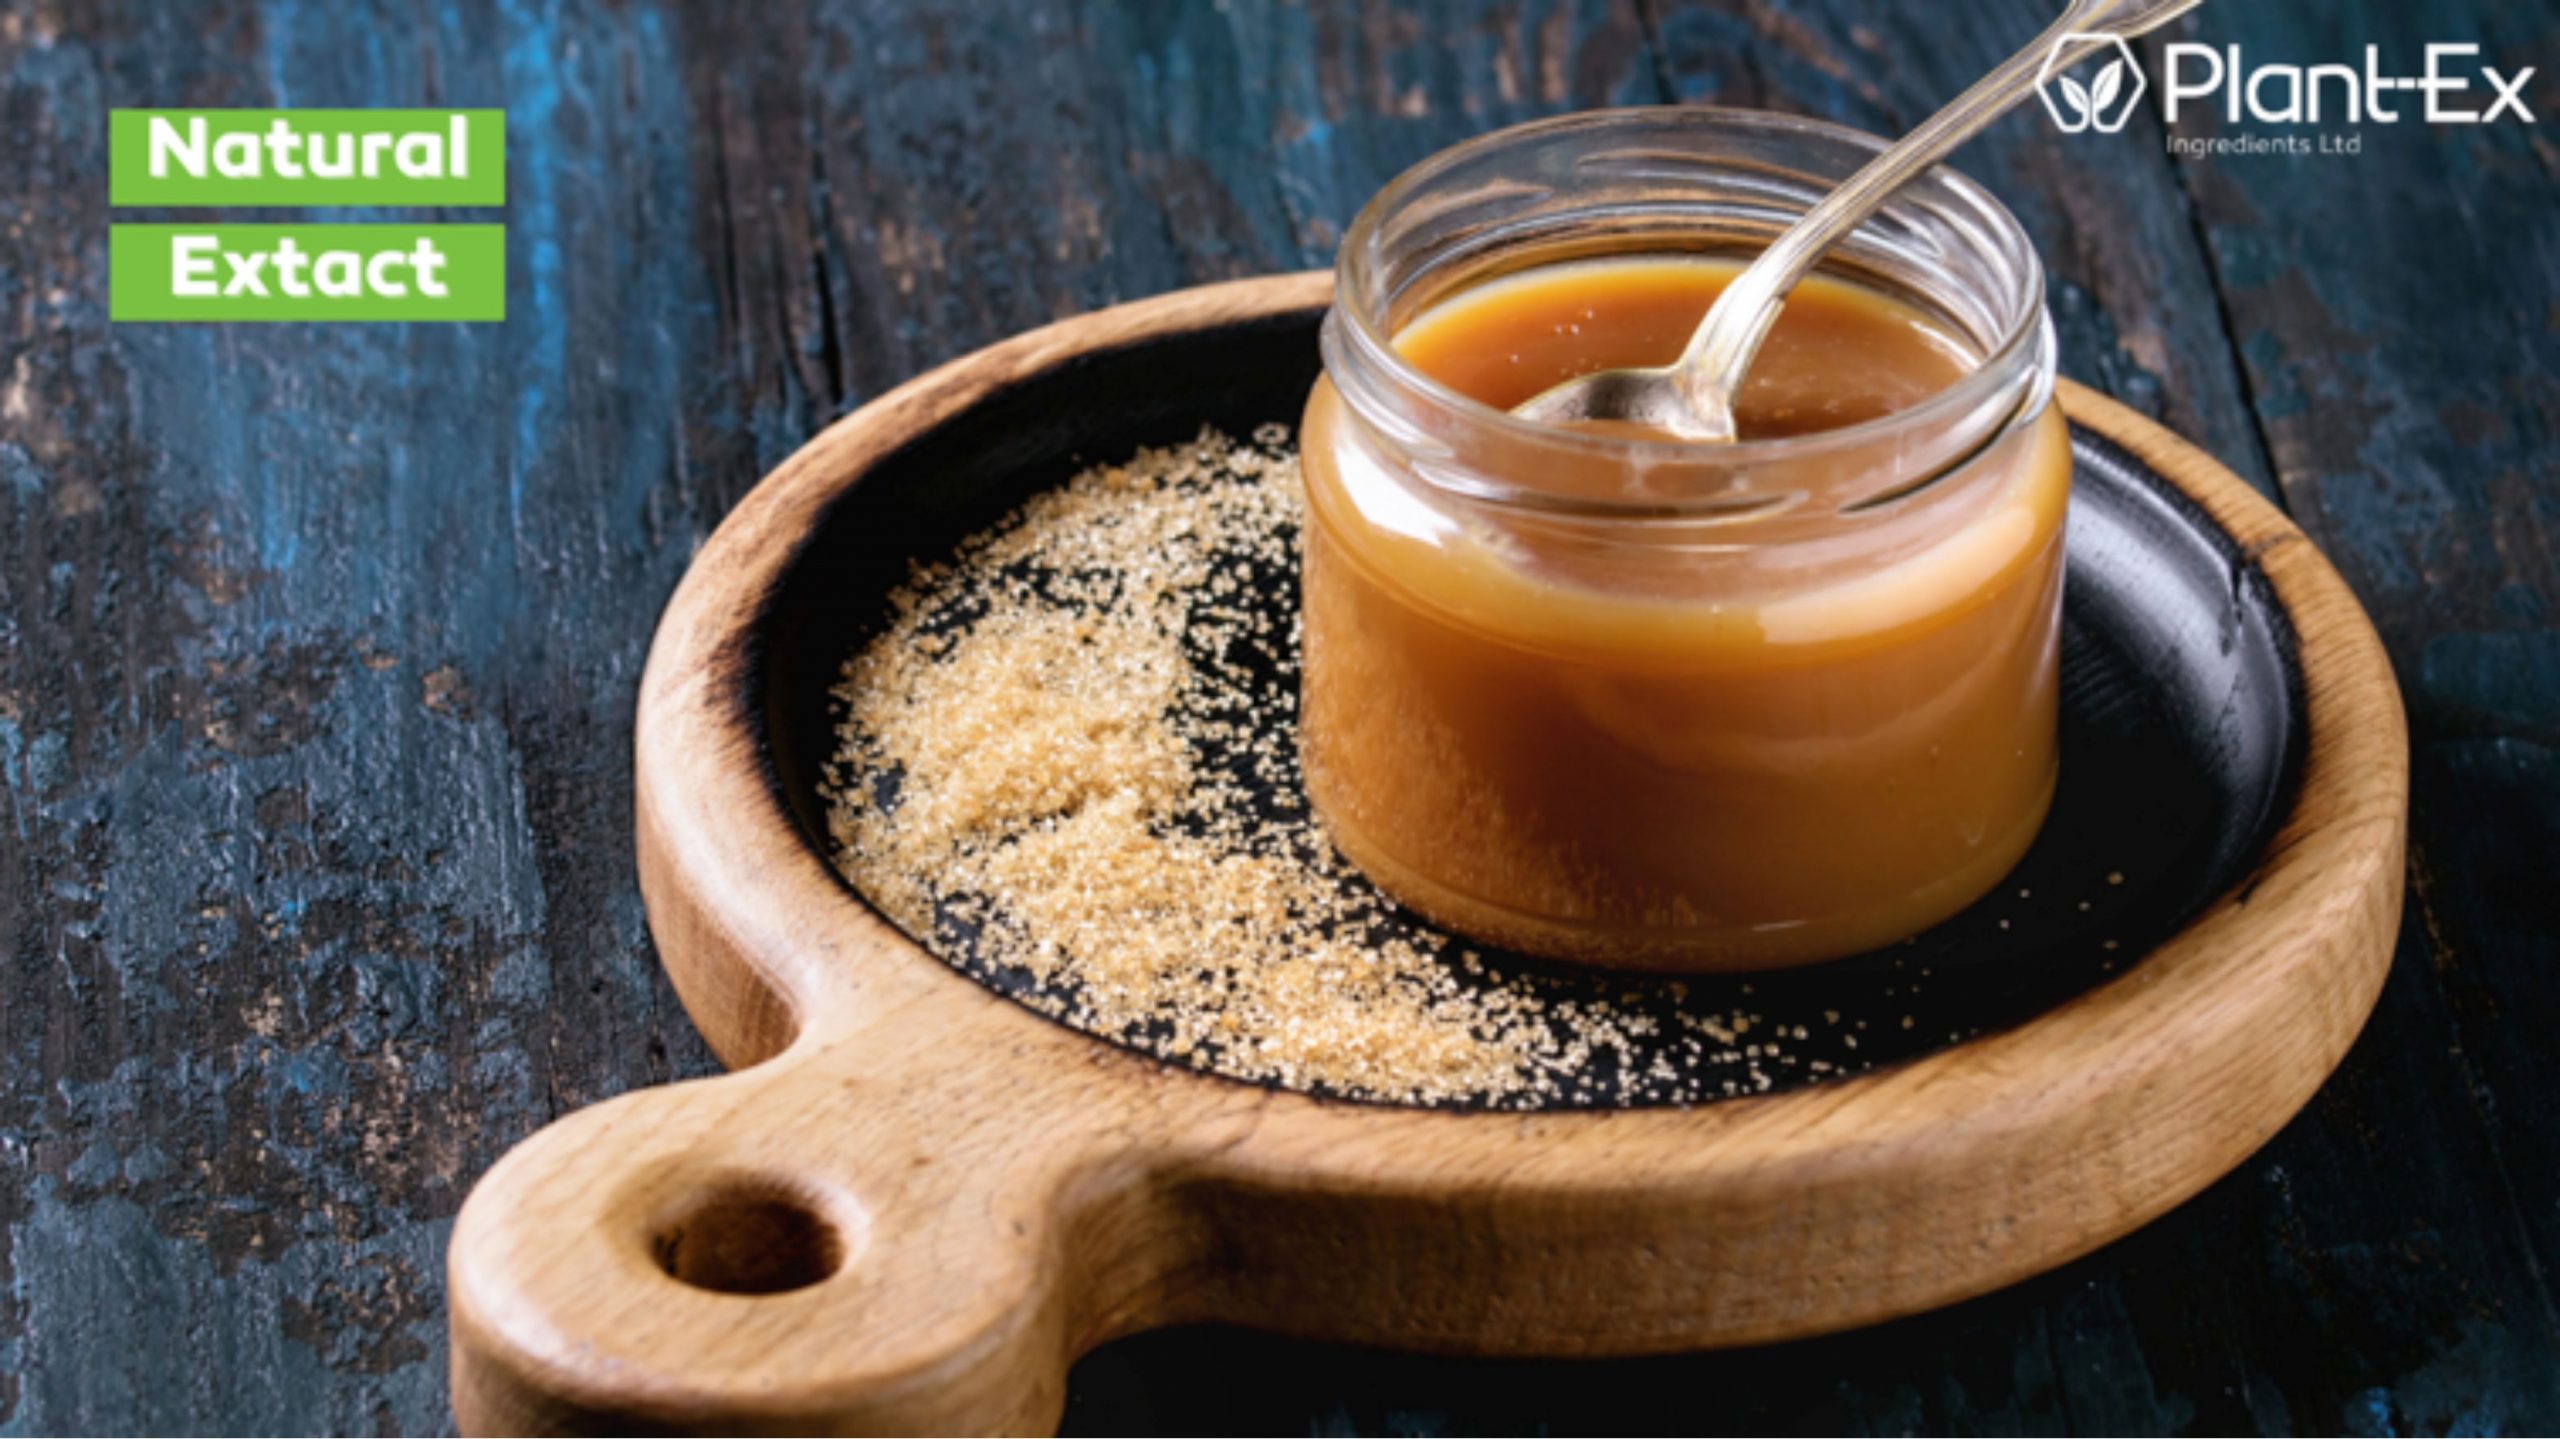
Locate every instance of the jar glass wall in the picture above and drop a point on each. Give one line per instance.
(1653, 704)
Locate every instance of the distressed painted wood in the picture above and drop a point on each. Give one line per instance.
(318, 647)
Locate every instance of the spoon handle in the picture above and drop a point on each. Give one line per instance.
(1719, 355)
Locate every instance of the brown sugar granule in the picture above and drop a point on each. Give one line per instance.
(1054, 758)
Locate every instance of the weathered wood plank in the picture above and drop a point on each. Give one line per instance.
(2396, 317)
(316, 654)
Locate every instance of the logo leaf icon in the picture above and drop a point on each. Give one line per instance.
(2102, 91)
(2079, 98)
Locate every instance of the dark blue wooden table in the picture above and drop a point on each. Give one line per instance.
(318, 647)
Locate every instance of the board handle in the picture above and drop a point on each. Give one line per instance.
(790, 1247)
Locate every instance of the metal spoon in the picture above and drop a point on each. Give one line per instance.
(1692, 397)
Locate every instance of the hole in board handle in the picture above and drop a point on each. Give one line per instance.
(749, 1238)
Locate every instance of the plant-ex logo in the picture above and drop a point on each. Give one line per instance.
(2105, 104)
(2453, 88)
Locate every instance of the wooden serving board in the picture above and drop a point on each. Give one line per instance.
(917, 1202)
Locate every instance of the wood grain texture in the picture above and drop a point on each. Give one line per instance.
(317, 649)
(1009, 1193)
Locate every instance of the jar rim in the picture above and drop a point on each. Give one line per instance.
(1355, 313)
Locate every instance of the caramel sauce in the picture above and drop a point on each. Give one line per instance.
(1733, 756)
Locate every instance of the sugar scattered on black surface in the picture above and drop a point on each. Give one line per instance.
(1068, 765)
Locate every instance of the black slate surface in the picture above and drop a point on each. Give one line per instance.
(317, 647)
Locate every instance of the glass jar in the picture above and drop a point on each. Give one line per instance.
(1660, 705)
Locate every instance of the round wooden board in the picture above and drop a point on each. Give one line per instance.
(916, 1202)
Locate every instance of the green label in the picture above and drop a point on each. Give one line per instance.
(307, 272)
(307, 157)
